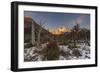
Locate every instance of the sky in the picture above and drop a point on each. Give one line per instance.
(52, 20)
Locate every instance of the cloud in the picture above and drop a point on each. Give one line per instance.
(80, 19)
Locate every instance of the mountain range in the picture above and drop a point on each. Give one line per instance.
(59, 30)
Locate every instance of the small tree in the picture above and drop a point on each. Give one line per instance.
(75, 33)
(33, 34)
(39, 33)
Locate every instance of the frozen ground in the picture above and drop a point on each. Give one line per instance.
(32, 54)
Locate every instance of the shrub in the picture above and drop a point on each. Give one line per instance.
(76, 52)
(52, 51)
(28, 45)
(64, 43)
(72, 46)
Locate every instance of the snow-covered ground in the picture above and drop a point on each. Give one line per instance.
(31, 54)
(84, 50)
